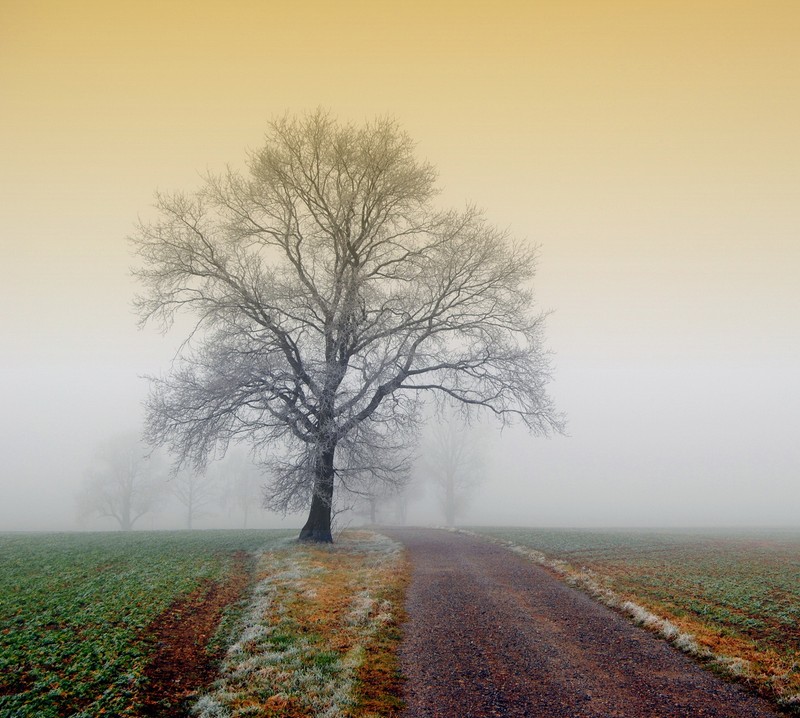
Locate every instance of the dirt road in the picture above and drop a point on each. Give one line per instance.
(491, 634)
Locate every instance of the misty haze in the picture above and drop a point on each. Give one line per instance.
(481, 304)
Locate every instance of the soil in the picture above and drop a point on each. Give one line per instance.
(182, 664)
(491, 634)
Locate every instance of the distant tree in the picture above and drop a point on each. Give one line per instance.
(452, 459)
(375, 498)
(379, 469)
(194, 491)
(122, 483)
(328, 295)
(399, 501)
(241, 482)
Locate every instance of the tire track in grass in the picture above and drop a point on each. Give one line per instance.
(182, 664)
(75, 610)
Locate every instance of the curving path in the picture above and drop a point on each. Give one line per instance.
(491, 634)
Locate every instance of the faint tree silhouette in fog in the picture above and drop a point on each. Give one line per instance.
(329, 294)
(122, 483)
(194, 490)
(241, 482)
(452, 459)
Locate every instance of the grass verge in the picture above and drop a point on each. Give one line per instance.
(732, 602)
(318, 636)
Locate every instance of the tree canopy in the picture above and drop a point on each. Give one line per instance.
(328, 292)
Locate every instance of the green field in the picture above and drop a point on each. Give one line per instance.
(737, 593)
(75, 609)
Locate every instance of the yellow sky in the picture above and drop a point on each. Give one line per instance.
(524, 106)
(651, 147)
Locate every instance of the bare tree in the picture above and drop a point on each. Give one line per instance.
(384, 472)
(452, 458)
(123, 483)
(194, 490)
(241, 480)
(371, 505)
(400, 500)
(328, 294)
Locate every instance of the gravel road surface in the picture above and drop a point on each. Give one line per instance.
(491, 634)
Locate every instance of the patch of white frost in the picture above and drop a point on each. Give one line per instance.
(265, 657)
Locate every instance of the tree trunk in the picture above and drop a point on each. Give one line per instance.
(124, 519)
(450, 500)
(402, 509)
(318, 526)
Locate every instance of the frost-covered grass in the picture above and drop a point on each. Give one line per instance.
(730, 600)
(319, 620)
(74, 609)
